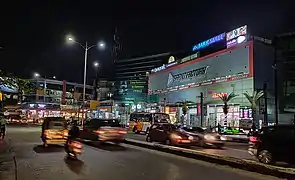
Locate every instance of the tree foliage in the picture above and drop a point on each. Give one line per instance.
(225, 98)
(254, 97)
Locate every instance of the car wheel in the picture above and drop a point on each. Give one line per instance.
(265, 157)
(148, 138)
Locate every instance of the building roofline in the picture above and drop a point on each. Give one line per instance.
(143, 57)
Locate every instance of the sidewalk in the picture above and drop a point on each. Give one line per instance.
(7, 167)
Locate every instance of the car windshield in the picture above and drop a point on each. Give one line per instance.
(56, 125)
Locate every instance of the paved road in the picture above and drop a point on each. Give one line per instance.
(110, 162)
(232, 149)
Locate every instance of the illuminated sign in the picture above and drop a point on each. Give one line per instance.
(171, 64)
(191, 57)
(241, 31)
(218, 95)
(186, 75)
(208, 42)
(171, 59)
(159, 68)
(236, 36)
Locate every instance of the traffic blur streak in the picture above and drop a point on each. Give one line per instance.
(231, 149)
(110, 162)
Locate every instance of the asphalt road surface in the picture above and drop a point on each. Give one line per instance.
(109, 161)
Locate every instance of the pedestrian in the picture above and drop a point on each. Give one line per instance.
(2, 126)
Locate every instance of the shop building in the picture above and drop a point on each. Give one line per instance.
(53, 98)
(238, 68)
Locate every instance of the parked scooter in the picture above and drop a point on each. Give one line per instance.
(73, 149)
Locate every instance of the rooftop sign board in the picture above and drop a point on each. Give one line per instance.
(208, 42)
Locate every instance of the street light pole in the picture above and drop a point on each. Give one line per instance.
(85, 74)
(86, 48)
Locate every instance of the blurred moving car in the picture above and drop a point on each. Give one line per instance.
(54, 131)
(168, 134)
(103, 130)
(273, 143)
(232, 134)
(204, 138)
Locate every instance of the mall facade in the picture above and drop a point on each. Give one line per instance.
(236, 69)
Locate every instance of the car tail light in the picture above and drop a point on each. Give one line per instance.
(122, 132)
(253, 139)
(99, 132)
(65, 133)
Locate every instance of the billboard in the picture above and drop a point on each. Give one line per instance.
(217, 66)
(208, 42)
(236, 36)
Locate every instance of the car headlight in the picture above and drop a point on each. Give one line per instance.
(191, 138)
(209, 137)
(223, 138)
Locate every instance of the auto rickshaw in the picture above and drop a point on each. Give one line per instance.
(54, 131)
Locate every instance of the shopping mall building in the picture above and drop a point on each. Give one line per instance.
(237, 68)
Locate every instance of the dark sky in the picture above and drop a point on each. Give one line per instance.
(32, 34)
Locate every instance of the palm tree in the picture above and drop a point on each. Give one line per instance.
(225, 98)
(253, 100)
(184, 105)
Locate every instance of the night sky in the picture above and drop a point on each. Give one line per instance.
(32, 34)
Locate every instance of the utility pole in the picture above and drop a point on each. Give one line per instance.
(265, 104)
(164, 105)
(201, 107)
(275, 67)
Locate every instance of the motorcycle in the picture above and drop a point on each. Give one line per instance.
(73, 149)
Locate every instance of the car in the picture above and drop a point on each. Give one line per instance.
(273, 143)
(54, 131)
(204, 138)
(168, 134)
(103, 130)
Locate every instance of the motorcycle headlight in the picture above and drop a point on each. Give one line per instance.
(209, 137)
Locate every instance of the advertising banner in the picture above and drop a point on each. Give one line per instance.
(203, 70)
(236, 36)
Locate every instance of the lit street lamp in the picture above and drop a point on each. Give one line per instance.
(36, 75)
(96, 64)
(86, 47)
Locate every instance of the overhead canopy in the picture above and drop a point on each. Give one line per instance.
(7, 89)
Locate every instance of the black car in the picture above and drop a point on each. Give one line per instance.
(168, 134)
(273, 143)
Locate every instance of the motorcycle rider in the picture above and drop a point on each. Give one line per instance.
(74, 133)
(2, 125)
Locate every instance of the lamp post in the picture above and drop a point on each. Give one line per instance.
(96, 85)
(86, 47)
